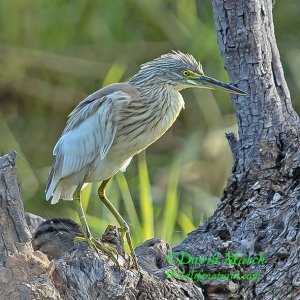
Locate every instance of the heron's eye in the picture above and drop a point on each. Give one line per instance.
(186, 73)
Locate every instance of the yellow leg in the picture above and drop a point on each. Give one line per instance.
(87, 233)
(124, 228)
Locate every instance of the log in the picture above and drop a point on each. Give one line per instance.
(79, 273)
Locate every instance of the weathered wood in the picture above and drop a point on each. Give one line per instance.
(80, 272)
(83, 274)
(14, 232)
(33, 221)
(23, 273)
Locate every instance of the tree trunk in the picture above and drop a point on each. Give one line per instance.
(255, 229)
(259, 210)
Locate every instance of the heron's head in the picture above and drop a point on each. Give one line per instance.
(180, 71)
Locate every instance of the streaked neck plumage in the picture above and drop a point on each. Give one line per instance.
(163, 102)
(155, 89)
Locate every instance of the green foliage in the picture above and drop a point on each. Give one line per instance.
(145, 197)
(55, 53)
(171, 206)
(132, 215)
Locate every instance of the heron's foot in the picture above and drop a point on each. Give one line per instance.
(122, 239)
(124, 233)
(111, 236)
(109, 251)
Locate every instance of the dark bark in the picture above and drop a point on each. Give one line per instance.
(14, 232)
(259, 209)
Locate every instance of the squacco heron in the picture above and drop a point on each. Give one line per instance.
(110, 126)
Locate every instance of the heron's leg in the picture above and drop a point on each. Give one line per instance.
(79, 209)
(124, 227)
(87, 233)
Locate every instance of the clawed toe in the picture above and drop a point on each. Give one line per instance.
(109, 251)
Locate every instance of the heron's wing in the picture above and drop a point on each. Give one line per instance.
(90, 132)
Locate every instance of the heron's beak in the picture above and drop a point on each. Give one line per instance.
(213, 84)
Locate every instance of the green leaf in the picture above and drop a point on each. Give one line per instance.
(171, 206)
(185, 223)
(134, 222)
(145, 200)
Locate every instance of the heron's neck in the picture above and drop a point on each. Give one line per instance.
(162, 94)
(163, 105)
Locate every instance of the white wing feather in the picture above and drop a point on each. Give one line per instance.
(80, 146)
(93, 137)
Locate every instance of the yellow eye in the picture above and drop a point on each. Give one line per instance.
(186, 73)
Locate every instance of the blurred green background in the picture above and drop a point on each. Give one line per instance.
(54, 53)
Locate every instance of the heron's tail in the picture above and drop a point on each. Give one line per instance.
(53, 190)
(57, 188)
(61, 188)
(60, 191)
(51, 184)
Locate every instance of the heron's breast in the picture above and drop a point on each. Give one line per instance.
(135, 132)
(149, 123)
